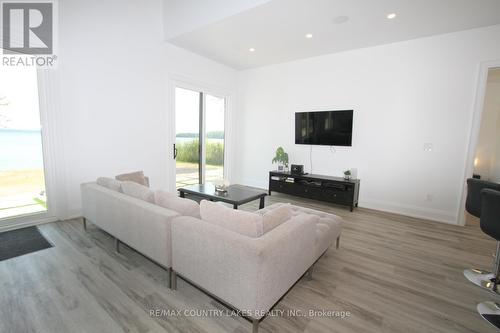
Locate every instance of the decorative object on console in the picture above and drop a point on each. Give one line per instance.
(282, 159)
(347, 174)
(297, 169)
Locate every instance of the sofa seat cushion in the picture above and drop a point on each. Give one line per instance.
(183, 206)
(110, 183)
(328, 226)
(138, 191)
(244, 223)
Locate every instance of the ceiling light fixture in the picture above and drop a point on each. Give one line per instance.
(391, 16)
(309, 36)
(251, 49)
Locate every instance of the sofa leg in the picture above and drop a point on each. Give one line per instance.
(255, 325)
(169, 273)
(84, 224)
(117, 245)
(173, 279)
(337, 245)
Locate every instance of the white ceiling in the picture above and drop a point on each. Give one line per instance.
(277, 28)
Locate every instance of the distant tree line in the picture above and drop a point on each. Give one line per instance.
(210, 135)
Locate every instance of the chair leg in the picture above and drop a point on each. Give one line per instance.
(173, 279)
(84, 224)
(484, 279)
(117, 245)
(337, 245)
(255, 325)
(490, 311)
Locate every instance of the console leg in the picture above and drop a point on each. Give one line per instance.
(117, 245)
(181, 193)
(84, 224)
(235, 206)
(337, 245)
(262, 202)
(255, 325)
(352, 208)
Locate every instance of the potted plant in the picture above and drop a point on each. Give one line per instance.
(347, 174)
(282, 159)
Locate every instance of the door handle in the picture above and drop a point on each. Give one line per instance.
(175, 152)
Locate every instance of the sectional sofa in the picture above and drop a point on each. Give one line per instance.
(246, 260)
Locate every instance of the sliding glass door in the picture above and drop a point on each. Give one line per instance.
(22, 179)
(199, 137)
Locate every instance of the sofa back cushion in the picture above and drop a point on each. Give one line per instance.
(138, 191)
(110, 183)
(136, 177)
(275, 217)
(244, 223)
(182, 206)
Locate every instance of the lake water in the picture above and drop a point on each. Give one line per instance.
(20, 149)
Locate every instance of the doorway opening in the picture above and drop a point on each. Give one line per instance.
(22, 173)
(199, 137)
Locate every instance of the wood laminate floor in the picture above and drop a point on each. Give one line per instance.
(392, 273)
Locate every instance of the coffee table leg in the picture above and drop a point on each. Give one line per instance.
(182, 194)
(235, 206)
(261, 204)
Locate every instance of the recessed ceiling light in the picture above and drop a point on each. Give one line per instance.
(391, 16)
(251, 49)
(309, 35)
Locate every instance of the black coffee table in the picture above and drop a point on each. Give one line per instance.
(236, 194)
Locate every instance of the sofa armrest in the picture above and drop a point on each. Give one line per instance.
(140, 224)
(251, 274)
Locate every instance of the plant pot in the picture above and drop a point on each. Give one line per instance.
(281, 168)
(347, 177)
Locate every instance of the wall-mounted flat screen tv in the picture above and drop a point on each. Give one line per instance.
(328, 128)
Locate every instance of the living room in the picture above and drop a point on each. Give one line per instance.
(415, 78)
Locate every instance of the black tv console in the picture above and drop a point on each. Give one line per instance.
(336, 190)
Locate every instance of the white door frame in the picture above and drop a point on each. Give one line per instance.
(482, 79)
(48, 109)
(180, 81)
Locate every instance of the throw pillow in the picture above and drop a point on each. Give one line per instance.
(245, 223)
(182, 206)
(138, 191)
(110, 183)
(136, 177)
(275, 217)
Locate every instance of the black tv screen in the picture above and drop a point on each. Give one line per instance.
(329, 128)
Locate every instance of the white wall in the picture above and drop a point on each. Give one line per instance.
(403, 95)
(487, 158)
(114, 71)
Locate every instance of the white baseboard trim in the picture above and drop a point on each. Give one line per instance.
(411, 211)
(390, 207)
(16, 224)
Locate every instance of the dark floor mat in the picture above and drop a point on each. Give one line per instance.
(15, 243)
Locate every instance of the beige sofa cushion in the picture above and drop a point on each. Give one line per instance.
(244, 223)
(110, 183)
(136, 177)
(183, 206)
(138, 191)
(275, 217)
